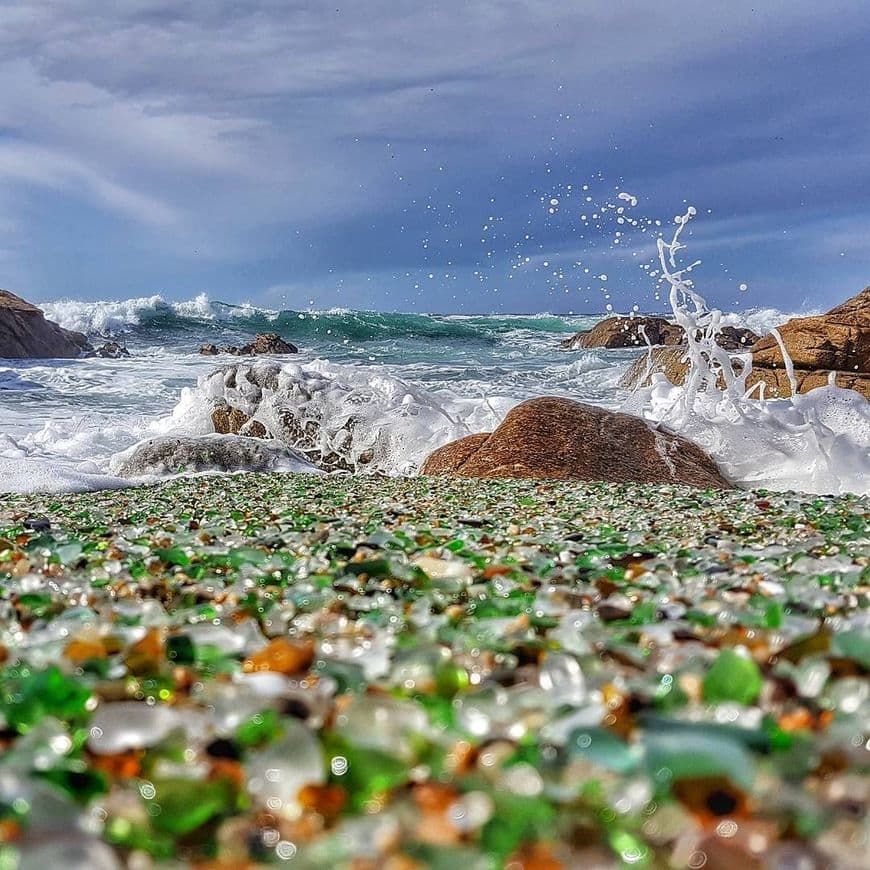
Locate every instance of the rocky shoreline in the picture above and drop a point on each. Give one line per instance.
(832, 347)
(360, 672)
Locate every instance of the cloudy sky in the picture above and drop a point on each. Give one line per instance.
(449, 156)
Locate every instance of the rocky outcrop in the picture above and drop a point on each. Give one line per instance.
(834, 344)
(836, 341)
(173, 455)
(26, 334)
(617, 332)
(264, 344)
(554, 438)
(671, 362)
(622, 332)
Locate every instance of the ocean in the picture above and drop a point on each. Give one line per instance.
(411, 382)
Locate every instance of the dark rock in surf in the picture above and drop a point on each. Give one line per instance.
(735, 338)
(26, 334)
(264, 344)
(268, 344)
(252, 398)
(112, 350)
(554, 438)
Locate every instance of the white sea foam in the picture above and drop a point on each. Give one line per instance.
(114, 317)
(22, 470)
(370, 419)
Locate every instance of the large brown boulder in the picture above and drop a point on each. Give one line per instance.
(26, 334)
(554, 438)
(836, 343)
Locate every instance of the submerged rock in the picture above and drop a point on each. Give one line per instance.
(561, 439)
(26, 334)
(176, 455)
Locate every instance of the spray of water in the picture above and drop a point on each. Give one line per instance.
(814, 442)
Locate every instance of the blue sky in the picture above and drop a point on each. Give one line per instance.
(404, 155)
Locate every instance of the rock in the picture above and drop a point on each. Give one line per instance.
(619, 332)
(231, 421)
(174, 455)
(227, 420)
(736, 338)
(112, 350)
(835, 343)
(561, 439)
(615, 332)
(26, 334)
(453, 455)
(268, 343)
(287, 409)
(670, 361)
(264, 344)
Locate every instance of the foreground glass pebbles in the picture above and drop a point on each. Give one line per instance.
(357, 672)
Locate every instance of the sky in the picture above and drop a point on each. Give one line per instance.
(422, 156)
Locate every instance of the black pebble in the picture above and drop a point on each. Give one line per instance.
(37, 524)
(223, 748)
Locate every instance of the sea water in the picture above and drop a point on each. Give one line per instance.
(410, 383)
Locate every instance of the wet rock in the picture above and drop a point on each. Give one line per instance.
(112, 350)
(254, 399)
(616, 332)
(560, 439)
(269, 344)
(264, 344)
(669, 361)
(26, 334)
(175, 455)
(837, 341)
(735, 338)
(621, 332)
(836, 344)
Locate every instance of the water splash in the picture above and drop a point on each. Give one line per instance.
(815, 442)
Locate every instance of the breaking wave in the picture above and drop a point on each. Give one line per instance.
(153, 316)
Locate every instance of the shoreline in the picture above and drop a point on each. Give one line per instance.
(422, 671)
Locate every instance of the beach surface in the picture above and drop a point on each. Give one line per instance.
(351, 671)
